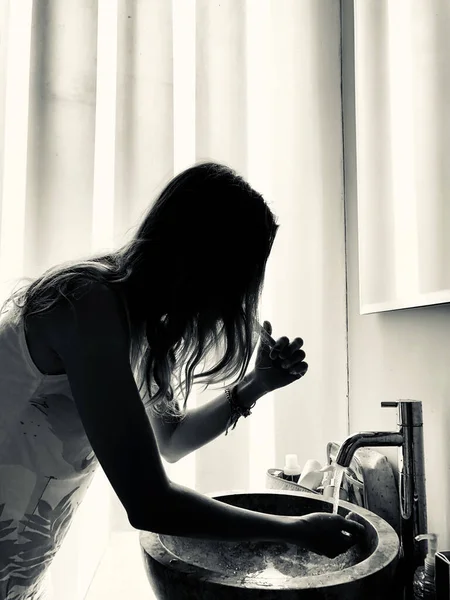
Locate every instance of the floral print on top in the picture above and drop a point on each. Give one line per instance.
(46, 465)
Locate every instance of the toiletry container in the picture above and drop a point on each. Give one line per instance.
(424, 587)
(292, 469)
(293, 477)
(312, 475)
(275, 481)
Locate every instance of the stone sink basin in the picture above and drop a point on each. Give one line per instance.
(180, 568)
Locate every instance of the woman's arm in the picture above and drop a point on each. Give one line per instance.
(91, 340)
(203, 424)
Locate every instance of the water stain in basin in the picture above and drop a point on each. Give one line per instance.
(264, 563)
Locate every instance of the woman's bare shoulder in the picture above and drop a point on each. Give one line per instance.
(93, 310)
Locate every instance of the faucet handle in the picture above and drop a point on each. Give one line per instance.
(409, 411)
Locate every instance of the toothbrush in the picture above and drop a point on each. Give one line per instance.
(265, 336)
(268, 339)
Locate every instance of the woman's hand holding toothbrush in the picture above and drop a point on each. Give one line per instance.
(278, 363)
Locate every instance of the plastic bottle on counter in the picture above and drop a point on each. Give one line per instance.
(424, 587)
(292, 469)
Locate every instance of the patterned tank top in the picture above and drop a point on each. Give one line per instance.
(46, 465)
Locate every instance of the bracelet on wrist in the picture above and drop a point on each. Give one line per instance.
(236, 410)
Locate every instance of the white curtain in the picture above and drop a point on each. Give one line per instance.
(101, 103)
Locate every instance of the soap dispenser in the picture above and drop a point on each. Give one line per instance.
(424, 586)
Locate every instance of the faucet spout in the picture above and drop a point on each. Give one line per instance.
(366, 439)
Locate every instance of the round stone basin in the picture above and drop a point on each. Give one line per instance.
(184, 568)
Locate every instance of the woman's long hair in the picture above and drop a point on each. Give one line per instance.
(191, 276)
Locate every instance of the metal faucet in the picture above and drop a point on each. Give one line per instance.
(413, 504)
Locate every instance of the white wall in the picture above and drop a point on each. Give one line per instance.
(396, 355)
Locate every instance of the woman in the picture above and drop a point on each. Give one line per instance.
(90, 353)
